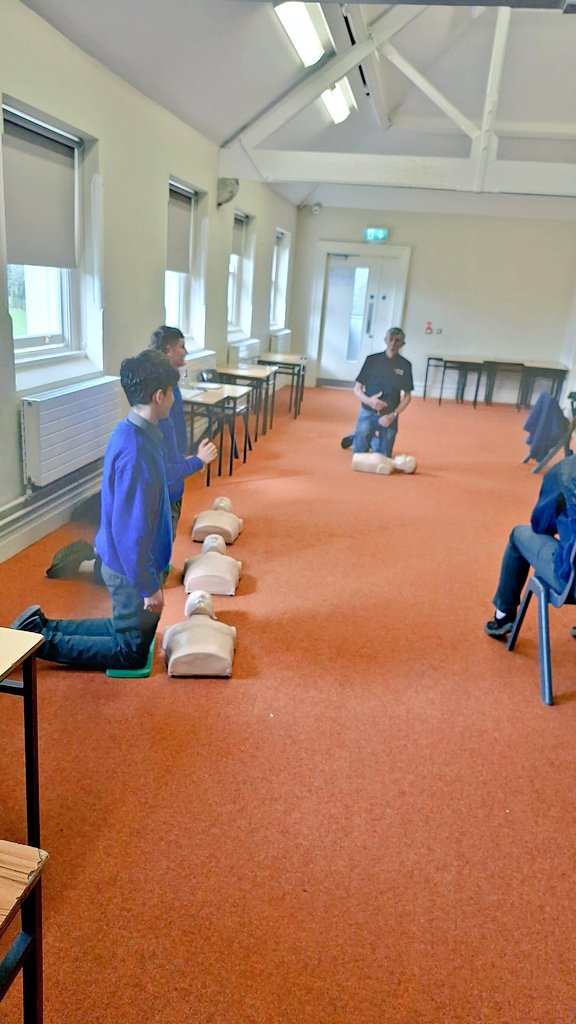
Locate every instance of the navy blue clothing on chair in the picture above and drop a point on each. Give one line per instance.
(547, 427)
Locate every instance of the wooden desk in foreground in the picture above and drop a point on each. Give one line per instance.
(18, 650)
(20, 891)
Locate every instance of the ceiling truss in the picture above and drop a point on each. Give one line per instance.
(246, 154)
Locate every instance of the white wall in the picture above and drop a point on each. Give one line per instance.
(139, 146)
(495, 286)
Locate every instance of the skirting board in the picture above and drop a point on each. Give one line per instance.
(24, 526)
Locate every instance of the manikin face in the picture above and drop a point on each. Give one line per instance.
(200, 603)
(393, 344)
(223, 504)
(176, 353)
(214, 542)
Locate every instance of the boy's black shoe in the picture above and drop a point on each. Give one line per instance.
(347, 441)
(31, 620)
(68, 559)
(500, 628)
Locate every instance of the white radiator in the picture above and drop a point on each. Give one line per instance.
(65, 429)
(243, 351)
(281, 340)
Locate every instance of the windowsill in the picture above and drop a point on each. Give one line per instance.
(48, 372)
(237, 334)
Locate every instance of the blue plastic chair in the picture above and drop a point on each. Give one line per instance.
(545, 596)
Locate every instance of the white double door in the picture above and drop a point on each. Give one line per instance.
(363, 298)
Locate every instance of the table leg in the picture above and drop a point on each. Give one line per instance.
(442, 384)
(273, 402)
(32, 983)
(291, 389)
(31, 750)
(246, 417)
(258, 396)
(426, 378)
(301, 379)
(232, 437)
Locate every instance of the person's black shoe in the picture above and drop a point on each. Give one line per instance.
(500, 628)
(68, 559)
(31, 620)
(347, 441)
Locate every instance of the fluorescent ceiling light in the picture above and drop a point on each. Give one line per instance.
(301, 31)
(339, 100)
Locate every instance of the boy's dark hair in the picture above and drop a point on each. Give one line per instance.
(164, 336)
(146, 373)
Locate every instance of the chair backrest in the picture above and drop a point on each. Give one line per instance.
(209, 376)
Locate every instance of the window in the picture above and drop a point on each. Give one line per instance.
(240, 276)
(184, 298)
(41, 186)
(279, 278)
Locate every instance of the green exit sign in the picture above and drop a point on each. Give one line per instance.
(375, 234)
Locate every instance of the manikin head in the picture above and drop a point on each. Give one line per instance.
(404, 463)
(213, 542)
(394, 340)
(199, 602)
(223, 504)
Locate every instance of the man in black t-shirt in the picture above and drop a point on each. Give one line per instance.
(384, 387)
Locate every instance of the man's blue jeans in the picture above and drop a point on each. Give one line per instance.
(367, 427)
(120, 642)
(525, 548)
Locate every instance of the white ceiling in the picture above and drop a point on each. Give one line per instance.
(477, 100)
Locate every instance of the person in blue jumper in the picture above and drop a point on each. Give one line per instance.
(179, 465)
(79, 557)
(546, 545)
(134, 540)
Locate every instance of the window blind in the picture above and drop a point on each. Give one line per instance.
(180, 211)
(238, 233)
(39, 190)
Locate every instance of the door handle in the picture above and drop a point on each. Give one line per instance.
(370, 316)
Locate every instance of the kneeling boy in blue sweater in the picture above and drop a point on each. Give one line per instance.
(135, 536)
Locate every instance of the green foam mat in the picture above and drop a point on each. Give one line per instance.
(134, 673)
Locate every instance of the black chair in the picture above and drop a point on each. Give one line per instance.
(545, 596)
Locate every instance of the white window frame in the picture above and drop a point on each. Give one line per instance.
(189, 287)
(279, 279)
(78, 350)
(241, 280)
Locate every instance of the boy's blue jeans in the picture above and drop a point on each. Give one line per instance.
(366, 429)
(122, 641)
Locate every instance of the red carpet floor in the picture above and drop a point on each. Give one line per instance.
(373, 821)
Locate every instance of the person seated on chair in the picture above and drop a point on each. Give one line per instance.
(383, 387)
(546, 546)
(134, 540)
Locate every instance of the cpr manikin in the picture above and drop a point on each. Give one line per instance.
(219, 519)
(373, 462)
(213, 570)
(200, 646)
